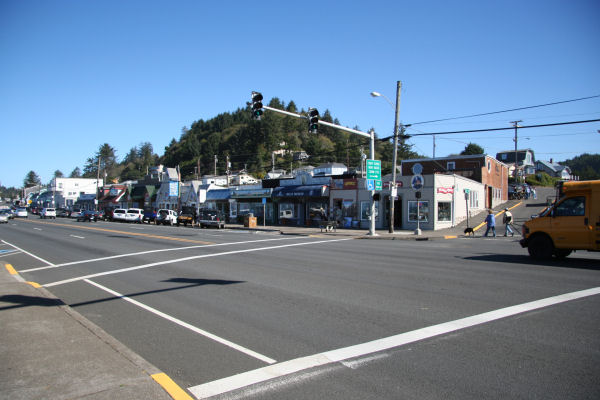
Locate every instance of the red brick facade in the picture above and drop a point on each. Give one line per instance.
(481, 168)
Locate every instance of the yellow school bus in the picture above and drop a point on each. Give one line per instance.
(572, 222)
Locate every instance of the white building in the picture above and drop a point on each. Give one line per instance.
(66, 191)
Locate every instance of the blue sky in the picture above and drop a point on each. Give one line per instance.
(77, 74)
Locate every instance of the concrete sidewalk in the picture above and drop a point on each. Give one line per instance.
(49, 351)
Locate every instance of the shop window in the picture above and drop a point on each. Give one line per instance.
(451, 166)
(444, 211)
(365, 207)
(423, 211)
(286, 210)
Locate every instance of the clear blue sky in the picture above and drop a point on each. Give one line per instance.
(77, 74)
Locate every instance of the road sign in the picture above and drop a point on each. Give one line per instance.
(378, 184)
(417, 182)
(370, 184)
(373, 169)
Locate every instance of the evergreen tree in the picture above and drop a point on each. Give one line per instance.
(472, 148)
(31, 179)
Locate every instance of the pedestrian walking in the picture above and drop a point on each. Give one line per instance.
(490, 220)
(508, 220)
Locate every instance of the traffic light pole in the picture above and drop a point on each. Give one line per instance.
(370, 135)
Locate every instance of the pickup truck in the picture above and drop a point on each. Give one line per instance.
(187, 216)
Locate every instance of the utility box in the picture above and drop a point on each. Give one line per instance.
(249, 222)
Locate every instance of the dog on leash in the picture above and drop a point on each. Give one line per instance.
(469, 232)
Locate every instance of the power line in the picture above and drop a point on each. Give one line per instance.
(499, 129)
(509, 110)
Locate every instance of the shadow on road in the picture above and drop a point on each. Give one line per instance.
(191, 283)
(26, 301)
(579, 263)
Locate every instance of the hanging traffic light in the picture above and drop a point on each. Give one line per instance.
(257, 107)
(313, 120)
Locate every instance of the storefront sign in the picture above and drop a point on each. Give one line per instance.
(445, 190)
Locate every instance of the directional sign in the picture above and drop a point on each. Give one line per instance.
(373, 169)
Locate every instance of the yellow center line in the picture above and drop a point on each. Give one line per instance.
(91, 228)
(500, 213)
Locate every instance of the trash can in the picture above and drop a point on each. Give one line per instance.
(250, 221)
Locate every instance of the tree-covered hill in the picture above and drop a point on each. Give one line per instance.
(250, 143)
(586, 166)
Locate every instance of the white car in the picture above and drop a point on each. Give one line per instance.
(21, 212)
(76, 213)
(3, 217)
(135, 215)
(166, 217)
(119, 214)
(48, 213)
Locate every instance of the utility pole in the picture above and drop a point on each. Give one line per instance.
(393, 189)
(433, 146)
(97, 183)
(516, 125)
(228, 170)
(215, 165)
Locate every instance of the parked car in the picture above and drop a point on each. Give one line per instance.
(187, 216)
(62, 212)
(134, 215)
(21, 212)
(9, 213)
(108, 214)
(3, 217)
(48, 212)
(209, 217)
(119, 215)
(166, 217)
(76, 212)
(149, 215)
(89, 216)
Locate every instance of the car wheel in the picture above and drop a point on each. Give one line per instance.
(561, 253)
(540, 248)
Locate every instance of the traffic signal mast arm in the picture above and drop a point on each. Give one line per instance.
(342, 128)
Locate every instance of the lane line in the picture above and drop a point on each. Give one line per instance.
(176, 392)
(225, 253)
(78, 237)
(193, 328)
(10, 269)
(274, 371)
(123, 232)
(28, 253)
(150, 252)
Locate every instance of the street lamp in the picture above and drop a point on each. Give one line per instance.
(393, 189)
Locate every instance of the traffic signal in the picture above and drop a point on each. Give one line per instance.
(257, 107)
(313, 120)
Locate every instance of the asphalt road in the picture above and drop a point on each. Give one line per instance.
(324, 316)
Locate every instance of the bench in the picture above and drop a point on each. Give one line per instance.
(329, 226)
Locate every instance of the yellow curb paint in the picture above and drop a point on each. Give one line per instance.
(10, 269)
(34, 284)
(450, 237)
(171, 387)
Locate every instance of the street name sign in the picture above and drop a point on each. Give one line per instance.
(373, 169)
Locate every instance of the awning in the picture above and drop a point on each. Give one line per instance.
(218, 194)
(138, 192)
(250, 193)
(301, 191)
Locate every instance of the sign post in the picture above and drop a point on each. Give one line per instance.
(417, 182)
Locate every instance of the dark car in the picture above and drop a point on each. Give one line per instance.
(187, 216)
(89, 216)
(149, 215)
(210, 217)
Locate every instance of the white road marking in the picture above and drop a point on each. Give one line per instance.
(149, 252)
(78, 237)
(225, 253)
(282, 369)
(186, 325)
(28, 253)
(38, 229)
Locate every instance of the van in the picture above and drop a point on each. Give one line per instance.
(134, 215)
(571, 223)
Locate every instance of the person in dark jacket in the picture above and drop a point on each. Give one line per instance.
(490, 220)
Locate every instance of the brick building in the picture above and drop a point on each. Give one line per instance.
(481, 168)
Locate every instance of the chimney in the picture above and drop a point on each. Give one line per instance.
(551, 161)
